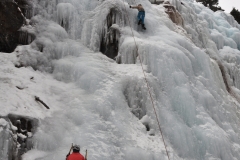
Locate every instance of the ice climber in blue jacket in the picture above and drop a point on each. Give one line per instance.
(141, 14)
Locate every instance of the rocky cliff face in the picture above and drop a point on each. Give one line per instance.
(12, 17)
(174, 15)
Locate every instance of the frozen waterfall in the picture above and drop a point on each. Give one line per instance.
(103, 103)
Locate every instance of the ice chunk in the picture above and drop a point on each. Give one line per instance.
(21, 136)
(3, 122)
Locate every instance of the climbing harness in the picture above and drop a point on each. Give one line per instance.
(149, 91)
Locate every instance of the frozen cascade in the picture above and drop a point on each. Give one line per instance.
(66, 17)
(25, 38)
(135, 98)
(98, 33)
(17, 133)
(6, 140)
(232, 60)
(104, 106)
(110, 35)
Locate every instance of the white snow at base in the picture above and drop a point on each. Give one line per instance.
(92, 98)
(34, 154)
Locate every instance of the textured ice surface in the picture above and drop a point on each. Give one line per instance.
(105, 106)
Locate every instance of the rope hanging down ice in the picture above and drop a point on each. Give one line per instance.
(149, 91)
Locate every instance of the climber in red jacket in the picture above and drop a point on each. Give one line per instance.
(75, 155)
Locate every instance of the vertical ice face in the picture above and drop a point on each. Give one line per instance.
(106, 106)
(65, 15)
(16, 134)
(231, 62)
(97, 32)
(218, 22)
(25, 38)
(110, 34)
(5, 136)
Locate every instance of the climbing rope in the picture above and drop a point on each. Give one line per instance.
(148, 86)
(199, 31)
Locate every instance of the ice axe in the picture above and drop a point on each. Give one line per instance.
(86, 155)
(69, 151)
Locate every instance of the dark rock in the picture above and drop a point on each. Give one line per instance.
(20, 88)
(110, 37)
(26, 7)
(147, 127)
(8, 41)
(19, 65)
(157, 1)
(174, 15)
(11, 19)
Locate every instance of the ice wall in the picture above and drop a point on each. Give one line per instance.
(106, 107)
(231, 61)
(220, 26)
(16, 132)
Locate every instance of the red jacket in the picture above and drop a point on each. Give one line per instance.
(75, 156)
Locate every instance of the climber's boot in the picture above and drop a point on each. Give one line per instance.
(143, 27)
(139, 22)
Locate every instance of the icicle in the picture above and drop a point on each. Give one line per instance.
(65, 15)
(25, 38)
